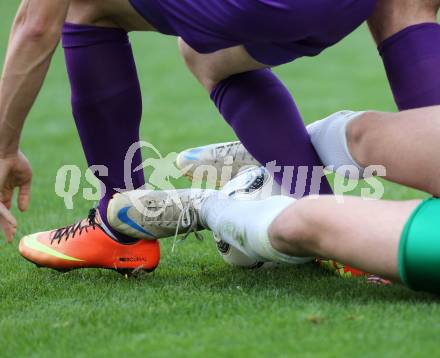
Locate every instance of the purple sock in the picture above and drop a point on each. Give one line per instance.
(264, 116)
(106, 102)
(412, 62)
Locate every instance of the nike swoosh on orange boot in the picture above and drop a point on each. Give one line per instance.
(86, 245)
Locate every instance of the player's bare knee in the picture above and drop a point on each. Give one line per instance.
(190, 57)
(293, 232)
(89, 12)
(202, 66)
(392, 16)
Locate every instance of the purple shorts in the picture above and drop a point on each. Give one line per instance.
(273, 31)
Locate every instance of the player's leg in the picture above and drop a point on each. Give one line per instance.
(106, 103)
(399, 240)
(106, 97)
(261, 111)
(364, 234)
(256, 104)
(409, 42)
(405, 143)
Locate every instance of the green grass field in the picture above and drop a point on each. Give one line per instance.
(195, 305)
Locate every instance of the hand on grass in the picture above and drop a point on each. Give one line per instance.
(15, 172)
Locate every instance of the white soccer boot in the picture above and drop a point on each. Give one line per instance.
(151, 214)
(228, 159)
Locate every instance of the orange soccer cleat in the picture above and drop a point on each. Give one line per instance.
(339, 269)
(346, 271)
(87, 245)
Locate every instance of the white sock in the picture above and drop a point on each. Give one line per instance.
(245, 225)
(329, 137)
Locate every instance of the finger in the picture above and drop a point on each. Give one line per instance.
(7, 223)
(6, 215)
(24, 196)
(8, 230)
(6, 198)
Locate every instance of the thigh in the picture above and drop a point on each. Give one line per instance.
(111, 13)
